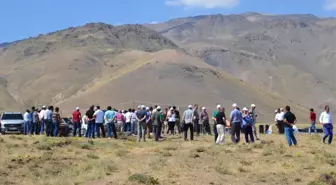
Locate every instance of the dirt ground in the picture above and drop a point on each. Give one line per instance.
(35, 160)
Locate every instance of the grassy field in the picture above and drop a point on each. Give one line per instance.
(39, 160)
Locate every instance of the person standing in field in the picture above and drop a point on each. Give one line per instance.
(120, 121)
(205, 121)
(177, 120)
(171, 121)
(35, 121)
(157, 119)
(99, 119)
(215, 121)
(254, 116)
(128, 118)
(134, 123)
(247, 126)
(76, 119)
(56, 120)
(141, 118)
(279, 119)
(290, 121)
(27, 120)
(221, 122)
(188, 123)
(165, 121)
(49, 121)
(43, 119)
(235, 122)
(90, 131)
(196, 118)
(326, 121)
(312, 117)
(109, 117)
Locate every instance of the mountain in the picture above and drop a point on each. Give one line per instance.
(291, 56)
(110, 65)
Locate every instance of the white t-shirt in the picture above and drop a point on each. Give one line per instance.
(280, 116)
(41, 114)
(128, 117)
(325, 118)
(99, 116)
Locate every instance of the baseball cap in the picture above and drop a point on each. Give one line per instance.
(234, 105)
(203, 108)
(190, 106)
(77, 108)
(276, 110)
(158, 107)
(218, 106)
(252, 105)
(281, 109)
(44, 106)
(245, 109)
(147, 108)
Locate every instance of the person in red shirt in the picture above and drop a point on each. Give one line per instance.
(312, 117)
(76, 119)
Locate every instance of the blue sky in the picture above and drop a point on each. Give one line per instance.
(24, 18)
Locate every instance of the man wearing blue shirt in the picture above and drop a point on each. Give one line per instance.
(109, 120)
(236, 121)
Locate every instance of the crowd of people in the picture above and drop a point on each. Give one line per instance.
(147, 121)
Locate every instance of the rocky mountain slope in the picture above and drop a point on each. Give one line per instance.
(292, 56)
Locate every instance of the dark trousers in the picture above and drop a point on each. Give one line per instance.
(90, 132)
(127, 127)
(111, 128)
(281, 127)
(207, 128)
(197, 128)
(248, 132)
(49, 128)
(328, 132)
(77, 126)
(215, 131)
(100, 126)
(191, 128)
(171, 127)
(157, 131)
(33, 128)
(235, 132)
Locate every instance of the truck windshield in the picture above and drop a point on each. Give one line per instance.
(12, 117)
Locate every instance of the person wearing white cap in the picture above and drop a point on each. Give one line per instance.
(42, 119)
(221, 122)
(187, 123)
(215, 121)
(141, 118)
(76, 119)
(247, 126)
(254, 116)
(279, 120)
(236, 121)
(157, 119)
(205, 125)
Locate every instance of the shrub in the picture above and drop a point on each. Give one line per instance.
(143, 179)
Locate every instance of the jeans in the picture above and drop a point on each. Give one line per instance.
(157, 132)
(127, 127)
(235, 132)
(33, 128)
(100, 126)
(43, 123)
(141, 131)
(215, 131)
(197, 128)
(55, 126)
(221, 134)
(328, 132)
(312, 127)
(289, 133)
(189, 126)
(134, 129)
(248, 132)
(90, 132)
(77, 126)
(26, 127)
(111, 128)
(49, 128)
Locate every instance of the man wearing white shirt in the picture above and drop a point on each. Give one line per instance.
(326, 121)
(42, 119)
(99, 121)
(128, 118)
(27, 121)
(279, 119)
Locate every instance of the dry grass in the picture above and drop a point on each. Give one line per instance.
(40, 160)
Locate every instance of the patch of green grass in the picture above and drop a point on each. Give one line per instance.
(143, 179)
